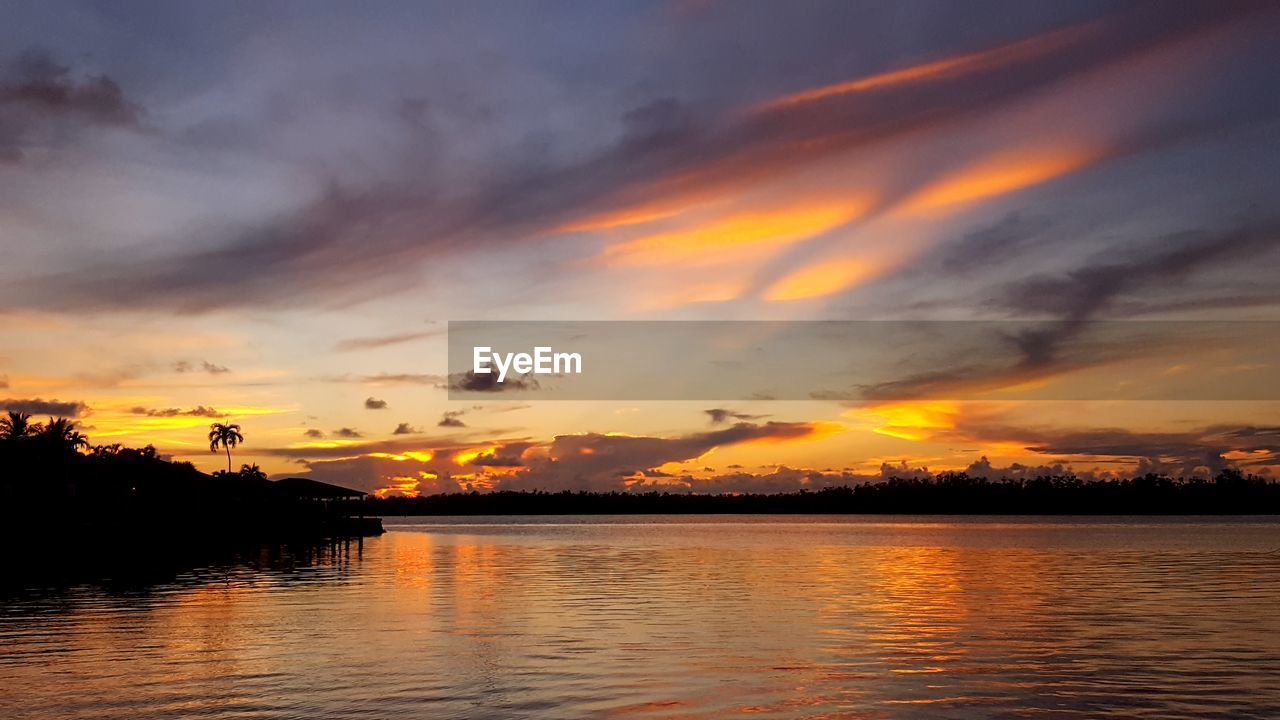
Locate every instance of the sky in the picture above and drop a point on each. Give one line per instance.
(268, 214)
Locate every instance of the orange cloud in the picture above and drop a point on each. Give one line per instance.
(729, 237)
(466, 457)
(403, 485)
(944, 69)
(999, 174)
(911, 420)
(824, 278)
(711, 290)
(419, 455)
(637, 213)
(812, 431)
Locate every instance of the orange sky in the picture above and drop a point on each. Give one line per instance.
(253, 248)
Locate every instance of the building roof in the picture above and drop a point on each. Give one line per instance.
(308, 488)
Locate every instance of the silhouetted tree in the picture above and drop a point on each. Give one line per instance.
(16, 426)
(252, 472)
(227, 435)
(63, 434)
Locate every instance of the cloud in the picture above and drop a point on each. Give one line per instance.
(372, 403)
(347, 432)
(990, 245)
(371, 473)
(38, 406)
(197, 411)
(1087, 290)
(1199, 452)
(313, 433)
(1084, 293)
(451, 419)
(720, 416)
(606, 462)
(583, 461)
(782, 480)
(406, 378)
(4, 382)
(43, 104)
(405, 429)
(386, 379)
(380, 341)
(1073, 300)
(469, 381)
(659, 152)
(185, 366)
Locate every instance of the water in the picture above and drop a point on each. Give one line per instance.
(702, 617)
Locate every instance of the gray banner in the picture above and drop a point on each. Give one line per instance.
(864, 361)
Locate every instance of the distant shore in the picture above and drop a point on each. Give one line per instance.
(1230, 493)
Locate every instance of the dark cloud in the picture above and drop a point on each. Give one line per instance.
(313, 433)
(197, 411)
(452, 419)
(405, 429)
(37, 406)
(781, 480)
(1201, 452)
(991, 245)
(499, 460)
(1091, 288)
(586, 461)
(372, 403)
(1074, 301)
(373, 473)
(720, 416)
(488, 382)
(347, 432)
(406, 378)
(186, 366)
(605, 462)
(43, 103)
(1084, 293)
(387, 379)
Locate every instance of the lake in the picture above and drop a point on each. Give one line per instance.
(679, 617)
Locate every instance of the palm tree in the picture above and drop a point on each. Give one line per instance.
(227, 435)
(17, 425)
(252, 472)
(63, 433)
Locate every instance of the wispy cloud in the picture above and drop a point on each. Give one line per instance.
(381, 341)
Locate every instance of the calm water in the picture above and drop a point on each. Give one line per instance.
(681, 618)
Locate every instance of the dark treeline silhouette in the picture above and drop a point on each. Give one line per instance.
(60, 494)
(1230, 493)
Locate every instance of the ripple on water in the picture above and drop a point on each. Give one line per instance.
(680, 618)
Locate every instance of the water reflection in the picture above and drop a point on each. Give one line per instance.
(775, 617)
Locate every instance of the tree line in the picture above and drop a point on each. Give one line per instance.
(1230, 492)
(57, 451)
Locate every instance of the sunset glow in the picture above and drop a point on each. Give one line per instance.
(185, 247)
